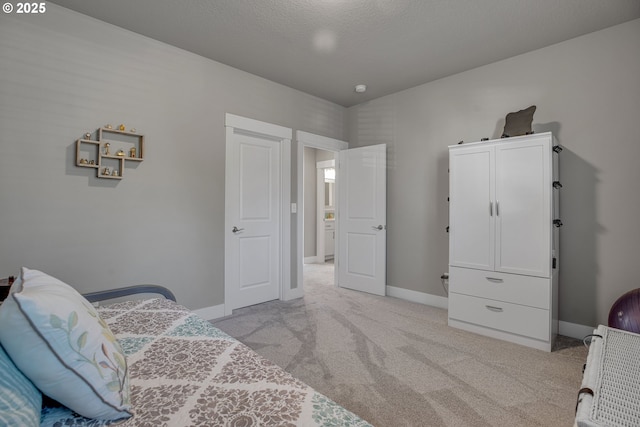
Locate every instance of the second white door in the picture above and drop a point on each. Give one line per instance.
(362, 219)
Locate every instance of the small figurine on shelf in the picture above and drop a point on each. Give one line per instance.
(92, 162)
(84, 162)
(114, 173)
(120, 153)
(132, 152)
(106, 149)
(132, 130)
(87, 136)
(108, 127)
(106, 171)
(121, 127)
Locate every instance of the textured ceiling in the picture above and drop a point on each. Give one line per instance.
(326, 47)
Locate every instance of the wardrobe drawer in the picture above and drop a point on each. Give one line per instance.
(513, 288)
(516, 319)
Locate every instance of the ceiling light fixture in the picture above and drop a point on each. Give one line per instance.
(361, 88)
(325, 41)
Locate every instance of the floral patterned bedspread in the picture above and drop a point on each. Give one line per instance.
(185, 372)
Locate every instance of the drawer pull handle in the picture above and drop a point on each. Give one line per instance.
(494, 308)
(495, 280)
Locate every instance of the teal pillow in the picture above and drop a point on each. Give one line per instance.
(58, 340)
(20, 400)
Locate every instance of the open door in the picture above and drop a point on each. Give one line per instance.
(362, 219)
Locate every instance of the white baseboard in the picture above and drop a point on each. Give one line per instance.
(574, 330)
(210, 313)
(567, 329)
(419, 297)
(218, 311)
(311, 260)
(293, 294)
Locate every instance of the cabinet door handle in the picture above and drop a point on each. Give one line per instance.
(490, 208)
(236, 229)
(494, 308)
(495, 279)
(497, 208)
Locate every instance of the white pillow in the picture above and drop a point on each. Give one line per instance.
(58, 340)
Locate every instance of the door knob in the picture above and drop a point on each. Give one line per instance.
(380, 227)
(236, 229)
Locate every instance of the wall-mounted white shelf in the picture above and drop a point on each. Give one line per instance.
(110, 152)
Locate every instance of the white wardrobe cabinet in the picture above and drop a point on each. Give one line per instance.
(503, 246)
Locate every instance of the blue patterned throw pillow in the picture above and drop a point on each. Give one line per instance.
(20, 400)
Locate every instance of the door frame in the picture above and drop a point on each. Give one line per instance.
(306, 139)
(238, 124)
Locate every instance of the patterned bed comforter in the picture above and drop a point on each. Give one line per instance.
(185, 372)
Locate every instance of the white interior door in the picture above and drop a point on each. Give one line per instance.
(362, 219)
(253, 218)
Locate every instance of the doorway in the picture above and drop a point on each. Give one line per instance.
(307, 171)
(360, 220)
(319, 198)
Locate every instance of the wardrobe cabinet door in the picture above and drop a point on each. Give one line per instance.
(523, 207)
(471, 220)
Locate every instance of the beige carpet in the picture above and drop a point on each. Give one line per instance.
(397, 363)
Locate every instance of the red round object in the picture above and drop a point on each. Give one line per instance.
(625, 312)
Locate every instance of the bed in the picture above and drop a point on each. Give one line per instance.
(182, 371)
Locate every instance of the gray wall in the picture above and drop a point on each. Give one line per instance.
(63, 74)
(587, 91)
